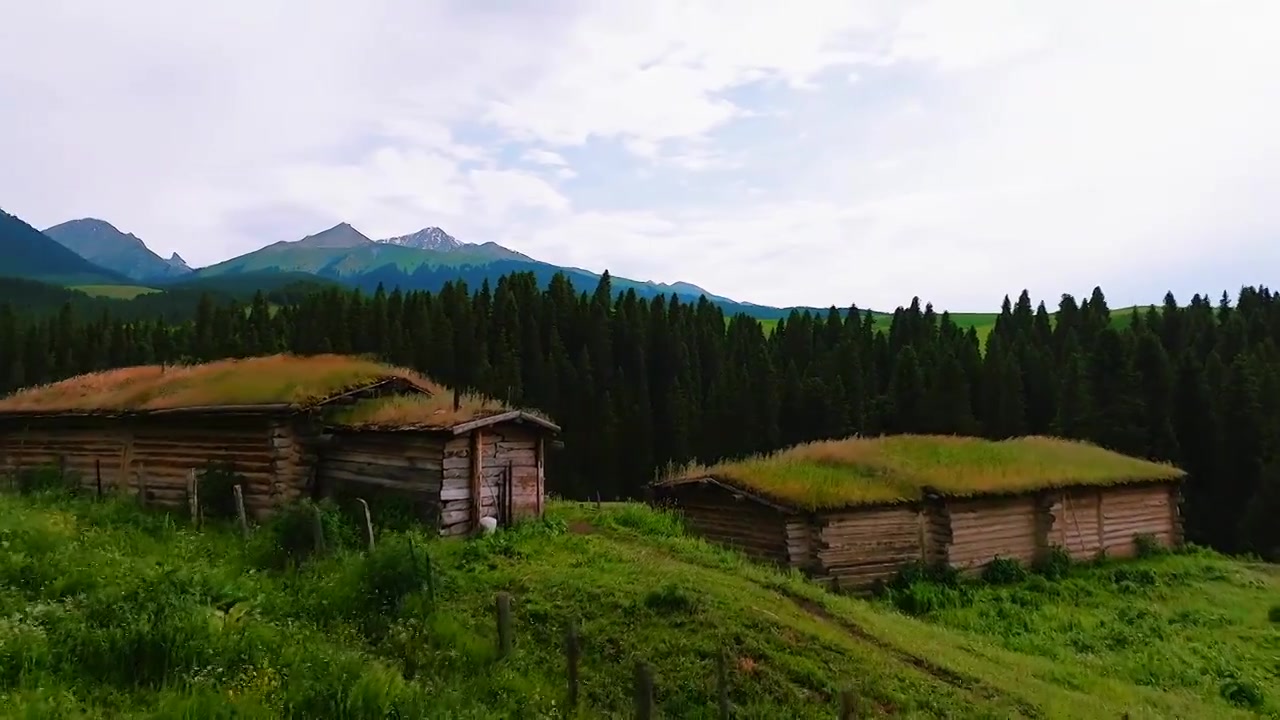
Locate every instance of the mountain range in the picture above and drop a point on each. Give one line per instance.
(90, 251)
(101, 243)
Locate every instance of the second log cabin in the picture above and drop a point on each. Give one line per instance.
(455, 465)
(856, 511)
(284, 427)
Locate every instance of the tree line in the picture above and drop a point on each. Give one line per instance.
(640, 383)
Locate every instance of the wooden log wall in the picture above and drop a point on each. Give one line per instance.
(860, 546)
(1131, 511)
(81, 448)
(1075, 525)
(857, 547)
(984, 529)
(801, 541)
(502, 448)
(165, 450)
(296, 453)
(368, 464)
(455, 492)
(758, 530)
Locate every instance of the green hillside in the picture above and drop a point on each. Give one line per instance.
(111, 613)
(102, 243)
(346, 261)
(31, 255)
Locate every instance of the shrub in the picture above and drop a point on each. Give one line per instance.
(289, 536)
(217, 490)
(1274, 614)
(1004, 571)
(1148, 546)
(45, 478)
(921, 598)
(671, 599)
(1242, 693)
(1055, 564)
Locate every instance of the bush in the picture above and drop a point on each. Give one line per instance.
(44, 478)
(1148, 546)
(1274, 615)
(1004, 571)
(1055, 564)
(289, 536)
(217, 490)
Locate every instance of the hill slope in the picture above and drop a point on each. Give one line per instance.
(424, 260)
(102, 243)
(30, 254)
(127, 615)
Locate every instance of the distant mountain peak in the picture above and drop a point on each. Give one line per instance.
(341, 235)
(429, 238)
(103, 244)
(175, 261)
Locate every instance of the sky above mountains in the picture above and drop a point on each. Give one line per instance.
(809, 153)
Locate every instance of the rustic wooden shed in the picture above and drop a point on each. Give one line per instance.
(454, 466)
(270, 421)
(858, 510)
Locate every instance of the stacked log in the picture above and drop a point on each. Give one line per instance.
(984, 529)
(857, 547)
(370, 464)
(1075, 522)
(1138, 510)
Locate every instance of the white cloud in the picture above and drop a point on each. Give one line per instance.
(956, 151)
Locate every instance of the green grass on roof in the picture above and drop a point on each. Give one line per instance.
(275, 379)
(897, 468)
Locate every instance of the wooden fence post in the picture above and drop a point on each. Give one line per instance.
(97, 473)
(644, 691)
(193, 496)
(142, 485)
(317, 529)
(367, 521)
(722, 683)
(848, 705)
(238, 492)
(504, 624)
(572, 651)
(431, 579)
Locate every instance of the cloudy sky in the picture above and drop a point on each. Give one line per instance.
(807, 152)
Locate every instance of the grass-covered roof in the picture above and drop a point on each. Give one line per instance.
(260, 381)
(276, 381)
(900, 468)
(430, 412)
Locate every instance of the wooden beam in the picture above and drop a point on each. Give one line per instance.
(477, 460)
(540, 453)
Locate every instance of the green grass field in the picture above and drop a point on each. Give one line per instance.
(982, 323)
(115, 292)
(109, 612)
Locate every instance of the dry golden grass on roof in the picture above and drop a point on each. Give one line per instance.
(406, 412)
(897, 468)
(275, 379)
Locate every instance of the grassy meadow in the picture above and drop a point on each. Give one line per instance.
(114, 292)
(109, 611)
(896, 468)
(982, 323)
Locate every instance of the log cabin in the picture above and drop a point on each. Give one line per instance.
(455, 465)
(854, 512)
(284, 426)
